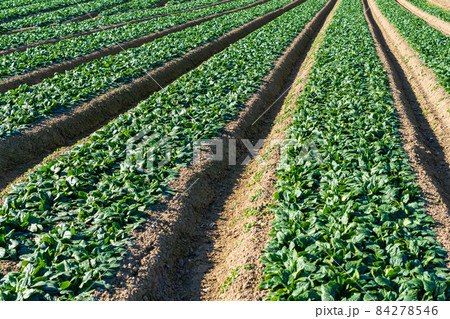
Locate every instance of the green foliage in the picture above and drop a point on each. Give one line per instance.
(258, 194)
(247, 227)
(248, 212)
(64, 50)
(249, 266)
(27, 104)
(69, 223)
(57, 31)
(6, 4)
(17, 11)
(350, 222)
(144, 4)
(234, 274)
(131, 5)
(57, 16)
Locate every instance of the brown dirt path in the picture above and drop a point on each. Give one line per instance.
(425, 129)
(155, 266)
(433, 21)
(441, 3)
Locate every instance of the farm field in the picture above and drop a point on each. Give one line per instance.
(225, 150)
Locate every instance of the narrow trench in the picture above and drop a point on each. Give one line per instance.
(198, 263)
(193, 270)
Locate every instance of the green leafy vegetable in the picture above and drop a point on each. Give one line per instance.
(351, 210)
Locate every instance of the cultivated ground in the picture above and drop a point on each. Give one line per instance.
(204, 237)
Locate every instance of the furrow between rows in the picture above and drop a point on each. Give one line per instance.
(433, 21)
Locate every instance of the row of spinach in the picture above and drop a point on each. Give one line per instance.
(50, 32)
(350, 221)
(14, 12)
(131, 5)
(15, 3)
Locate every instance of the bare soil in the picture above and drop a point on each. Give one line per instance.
(160, 4)
(155, 266)
(433, 21)
(441, 3)
(242, 229)
(18, 30)
(39, 75)
(55, 132)
(424, 127)
(7, 267)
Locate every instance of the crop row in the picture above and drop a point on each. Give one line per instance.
(58, 16)
(57, 31)
(132, 5)
(15, 3)
(432, 45)
(22, 11)
(67, 49)
(27, 104)
(350, 222)
(69, 223)
(432, 9)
